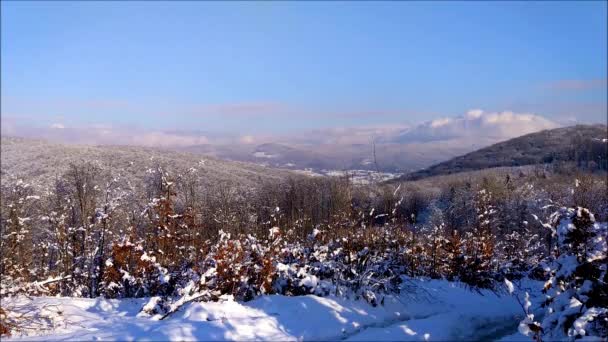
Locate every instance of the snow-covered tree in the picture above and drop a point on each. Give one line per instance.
(577, 291)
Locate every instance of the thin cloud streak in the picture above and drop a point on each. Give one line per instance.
(577, 84)
(253, 109)
(99, 134)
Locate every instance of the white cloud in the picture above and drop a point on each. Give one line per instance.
(440, 122)
(472, 124)
(474, 114)
(247, 139)
(99, 134)
(345, 135)
(477, 123)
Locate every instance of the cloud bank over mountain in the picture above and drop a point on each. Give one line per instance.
(476, 123)
(398, 147)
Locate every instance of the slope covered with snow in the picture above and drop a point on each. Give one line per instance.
(437, 310)
(41, 162)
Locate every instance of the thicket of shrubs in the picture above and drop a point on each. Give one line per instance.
(95, 234)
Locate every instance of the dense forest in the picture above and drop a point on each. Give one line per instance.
(170, 235)
(584, 145)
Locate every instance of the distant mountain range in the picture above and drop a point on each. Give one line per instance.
(42, 161)
(399, 148)
(390, 157)
(587, 145)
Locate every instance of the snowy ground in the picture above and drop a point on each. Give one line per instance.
(356, 176)
(443, 311)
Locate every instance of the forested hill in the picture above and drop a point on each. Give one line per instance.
(585, 144)
(41, 162)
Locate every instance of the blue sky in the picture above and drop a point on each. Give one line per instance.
(264, 67)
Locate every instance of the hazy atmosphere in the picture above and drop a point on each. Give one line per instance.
(304, 171)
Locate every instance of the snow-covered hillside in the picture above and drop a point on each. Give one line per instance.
(437, 310)
(41, 162)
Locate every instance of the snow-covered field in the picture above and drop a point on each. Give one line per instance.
(439, 310)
